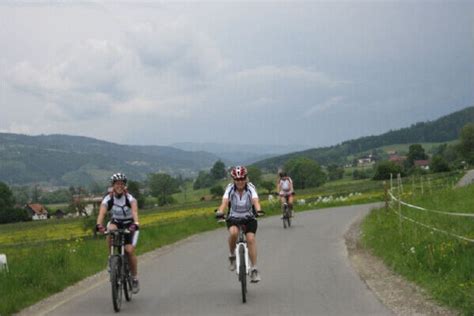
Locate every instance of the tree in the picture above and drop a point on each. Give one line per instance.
(306, 173)
(13, 215)
(134, 189)
(385, 168)
(35, 195)
(254, 175)
(162, 186)
(335, 172)
(218, 170)
(439, 164)
(466, 145)
(416, 152)
(217, 190)
(268, 185)
(6, 196)
(360, 174)
(204, 180)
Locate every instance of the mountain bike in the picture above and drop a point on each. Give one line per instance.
(119, 268)
(286, 213)
(242, 261)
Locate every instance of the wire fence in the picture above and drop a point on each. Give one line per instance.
(400, 202)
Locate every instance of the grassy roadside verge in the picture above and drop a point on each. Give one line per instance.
(40, 269)
(439, 263)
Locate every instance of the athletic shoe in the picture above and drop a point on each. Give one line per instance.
(254, 275)
(135, 286)
(232, 265)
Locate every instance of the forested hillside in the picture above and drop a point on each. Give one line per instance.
(444, 129)
(66, 160)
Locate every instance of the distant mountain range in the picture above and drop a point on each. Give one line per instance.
(240, 153)
(446, 128)
(76, 160)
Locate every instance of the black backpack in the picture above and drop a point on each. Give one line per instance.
(110, 203)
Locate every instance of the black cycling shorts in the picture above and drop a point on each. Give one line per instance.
(250, 223)
(129, 239)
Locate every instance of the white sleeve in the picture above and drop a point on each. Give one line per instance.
(253, 190)
(130, 198)
(227, 191)
(106, 200)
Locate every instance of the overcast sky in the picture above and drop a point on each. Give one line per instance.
(311, 73)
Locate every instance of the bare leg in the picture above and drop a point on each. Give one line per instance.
(252, 245)
(132, 259)
(233, 235)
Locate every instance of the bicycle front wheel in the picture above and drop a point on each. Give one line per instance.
(127, 282)
(243, 273)
(115, 282)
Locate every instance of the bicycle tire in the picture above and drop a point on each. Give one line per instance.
(115, 263)
(243, 273)
(127, 282)
(289, 221)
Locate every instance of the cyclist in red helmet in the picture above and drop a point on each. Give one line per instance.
(241, 199)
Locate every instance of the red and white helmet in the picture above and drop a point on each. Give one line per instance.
(238, 172)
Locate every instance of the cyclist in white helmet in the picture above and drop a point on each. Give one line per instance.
(241, 199)
(285, 189)
(123, 210)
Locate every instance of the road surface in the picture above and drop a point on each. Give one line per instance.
(305, 271)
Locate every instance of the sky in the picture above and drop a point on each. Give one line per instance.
(313, 73)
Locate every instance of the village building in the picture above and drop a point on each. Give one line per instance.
(37, 211)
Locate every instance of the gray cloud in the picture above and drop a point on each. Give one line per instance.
(312, 73)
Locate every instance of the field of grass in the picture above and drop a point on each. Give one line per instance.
(440, 263)
(47, 256)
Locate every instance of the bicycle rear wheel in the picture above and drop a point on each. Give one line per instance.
(115, 282)
(243, 273)
(284, 214)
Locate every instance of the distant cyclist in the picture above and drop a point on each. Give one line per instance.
(243, 205)
(285, 190)
(124, 214)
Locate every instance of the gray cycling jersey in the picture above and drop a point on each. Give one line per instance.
(241, 206)
(120, 211)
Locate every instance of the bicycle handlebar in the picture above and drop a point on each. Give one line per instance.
(118, 231)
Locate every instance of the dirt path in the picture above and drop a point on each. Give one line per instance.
(467, 179)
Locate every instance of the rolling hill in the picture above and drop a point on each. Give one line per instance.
(76, 160)
(444, 129)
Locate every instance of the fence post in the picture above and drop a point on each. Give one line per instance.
(399, 206)
(413, 185)
(385, 194)
(429, 186)
(400, 182)
(421, 181)
(391, 182)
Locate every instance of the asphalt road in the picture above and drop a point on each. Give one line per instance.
(304, 270)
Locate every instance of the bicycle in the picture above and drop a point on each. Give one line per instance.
(286, 213)
(242, 260)
(119, 268)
